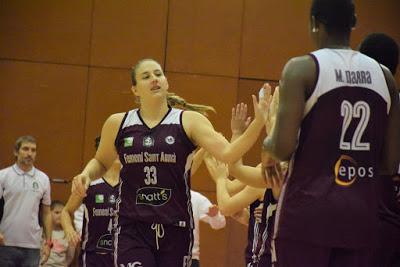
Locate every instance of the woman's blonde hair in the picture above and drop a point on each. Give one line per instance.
(179, 102)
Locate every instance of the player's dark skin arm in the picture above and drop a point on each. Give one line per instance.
(391, 153)
(297, 81)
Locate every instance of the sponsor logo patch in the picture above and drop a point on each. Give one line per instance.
(131, 264)
(169, 140)
(111, 199)
(153, 196)
(128, 141)
(347, 171)
(99, 198)
(105, 242)
(148, 141)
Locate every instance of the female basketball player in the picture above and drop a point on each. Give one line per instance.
(338, 124)
(155, 144)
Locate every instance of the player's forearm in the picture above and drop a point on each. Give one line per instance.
(243, 143)
(248, 175)
(67, 213)
(94, 169)
(66, 221)
(223, 199)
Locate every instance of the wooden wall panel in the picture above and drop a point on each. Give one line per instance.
(109, 92)
(46, 30)
(219, 92)
(48, 102)
(126, 31)
(273, 32)
(236, 244)
(204, 36)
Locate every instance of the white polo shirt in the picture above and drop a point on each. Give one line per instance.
(22, 193)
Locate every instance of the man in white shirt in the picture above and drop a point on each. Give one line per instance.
(24, 189)
(208, 213)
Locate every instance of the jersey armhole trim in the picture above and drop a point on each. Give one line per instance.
(119, 131)
(316, 76)
(187, 139)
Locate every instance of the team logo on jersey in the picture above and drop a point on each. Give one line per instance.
(153, 196)
(128, 141)
(148, 141)
(169, 140)
(99, 198)
(111, 199)
(105, 242)
(347, 171)
(35, 186)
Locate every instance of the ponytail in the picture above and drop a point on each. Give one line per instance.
(179, 102)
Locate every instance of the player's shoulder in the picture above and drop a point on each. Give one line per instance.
(300, 64)
(302, 69)
(116, 117)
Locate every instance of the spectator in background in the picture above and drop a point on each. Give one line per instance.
(205, 211)
(23, 188)
(61, 253)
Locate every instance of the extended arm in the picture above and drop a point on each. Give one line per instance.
(67, 214)
(104, 158)
(227, 204)
(297, 78)
(201, 131)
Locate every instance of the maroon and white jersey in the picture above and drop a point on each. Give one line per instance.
(329, 197)
(155, 177)
(98, 219)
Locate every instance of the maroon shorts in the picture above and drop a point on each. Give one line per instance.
(151, 245)
(93, 259)
(291, 253)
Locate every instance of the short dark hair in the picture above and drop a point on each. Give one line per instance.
(338, 16)
(56, 203)
(23, 139)
(382, 48)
